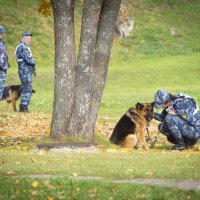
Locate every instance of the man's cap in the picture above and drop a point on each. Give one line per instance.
(2, 29)
(160, 98)
(26, 33)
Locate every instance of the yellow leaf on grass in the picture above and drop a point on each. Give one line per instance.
(35, 184)
(47, 131)
(50, 198)
(24, 148)
(34, 192)
(17, 191)
(74, 174)
(111, 150)
(34, 159)
(10, 173)
(125, 150)
(158, 145)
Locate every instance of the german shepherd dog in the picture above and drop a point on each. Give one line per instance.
(130, 130)
(11, 94)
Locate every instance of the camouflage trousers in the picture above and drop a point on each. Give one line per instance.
(174, 126)
(2, 82)
(25, 76)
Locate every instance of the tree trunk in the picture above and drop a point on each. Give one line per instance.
(80, 124)
(78, 90)
(65, 61)
(106, 30)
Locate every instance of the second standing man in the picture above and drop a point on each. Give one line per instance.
(26, 68)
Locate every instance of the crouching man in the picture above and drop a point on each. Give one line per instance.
(180, 119)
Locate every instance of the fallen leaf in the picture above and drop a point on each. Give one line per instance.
(74, 174)
(10, 173)
(17, 191)
(34, 159)
(111, 150)
(35, 184)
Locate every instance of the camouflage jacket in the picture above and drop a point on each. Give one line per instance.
(185, 107)
(24, 56)
(4, 64)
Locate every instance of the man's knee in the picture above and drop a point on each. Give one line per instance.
(171, 119)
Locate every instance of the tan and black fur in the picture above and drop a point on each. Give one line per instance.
(11, 94)
(131, 129)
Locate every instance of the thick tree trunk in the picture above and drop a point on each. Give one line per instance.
(65, 61)
(79, 88)
(95, 47)
(79, 122)
(106, 30)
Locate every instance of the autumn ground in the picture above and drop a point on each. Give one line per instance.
(20, 133)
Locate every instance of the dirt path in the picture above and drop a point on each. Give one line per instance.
(181, 184)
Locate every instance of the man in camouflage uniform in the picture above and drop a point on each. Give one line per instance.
(26, 67)
(4, 65)
(180, 119)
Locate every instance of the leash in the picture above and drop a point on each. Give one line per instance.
(154, 141)
(156, 137)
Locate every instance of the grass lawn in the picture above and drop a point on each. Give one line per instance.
(120, 164)
(64, 188)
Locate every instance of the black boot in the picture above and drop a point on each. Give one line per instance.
(26, 109)
(171, 139)
(190, 143)
(23, 108)
(180, 144)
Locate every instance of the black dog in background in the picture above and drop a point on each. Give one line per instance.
(11, 94)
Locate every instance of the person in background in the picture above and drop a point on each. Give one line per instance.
(26, 68)
(180, 119)
(4, 64)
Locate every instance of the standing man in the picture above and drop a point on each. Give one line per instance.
(4, 65)
(26, 67)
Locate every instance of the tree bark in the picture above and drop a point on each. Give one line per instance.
(106, 30)
(65, 61)
(79, 122)
(78, 88)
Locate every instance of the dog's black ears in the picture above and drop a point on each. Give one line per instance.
(139, 106)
